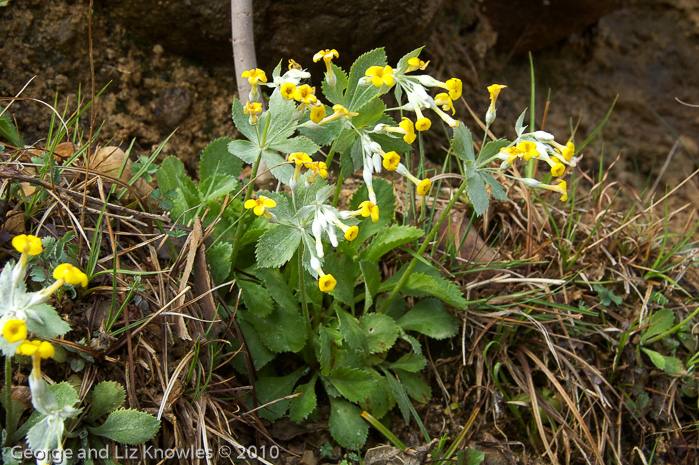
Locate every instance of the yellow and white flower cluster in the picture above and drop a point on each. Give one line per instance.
(537, 145)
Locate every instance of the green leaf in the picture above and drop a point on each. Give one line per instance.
(478, 194)
(496, 189)
(272, 388)
(342, 267)
(281, 112)
(280, 331)
(668, 364)
(411, 362)
(415, 386)
(66, 395)
(279, 289)
(242, 122)
(462, 146)
(381, 331)
(354, 384)
(107, 396)
(422, 284)
(388, 239)
(661, 321)
(296, 144)
(351, 331)
(284, 171)
(470, 457)
(403, 62)
(357, 154)
(256, 298)
(326, 134)
(381, 399)
(18, 408)
(219, 259)
(172, 177)
(491, 149)
(244, 150)
(387, 205)
(369, 114)
(8, 130)
(302, 406)
(356, 95)
(429, 317)
(218, 171)
(128, 427)
(52, 325)
(519, 125)
(259, 353)
(277, 246)
(372, 280)
(324, 350)
(346, 424)
(335, 94)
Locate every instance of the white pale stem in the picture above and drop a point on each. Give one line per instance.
(243, 44)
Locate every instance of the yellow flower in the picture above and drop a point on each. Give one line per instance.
(528, 148)
(255, 76)
(563, 190)
(445, 101)
(318, 168)
(31, 245)
(423, 186)
(380, 76)
(288, 89)
(568, 151)
(407, 125)
(36, 348)
(558, 168)
(351, 233)
(15, 330)
(253, 109)
(305, 94)
(415, 63)
(495, 91)
(455, 88)
(326, 55)
(70, 274)
(260, 205)
(300, 158)
(327, 283)
(391, 160)
(367, 208)
(423, 124)
(318, 113)
(294, 65)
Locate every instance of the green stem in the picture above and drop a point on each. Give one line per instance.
(9, 424)
(241, 224)
(304, 303)
(338, 186)
(421, 250)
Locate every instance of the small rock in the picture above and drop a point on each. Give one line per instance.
(172, 107)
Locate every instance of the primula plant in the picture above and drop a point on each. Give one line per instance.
(307, 268)
(23, 313)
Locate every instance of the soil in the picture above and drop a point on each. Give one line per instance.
(645, 54)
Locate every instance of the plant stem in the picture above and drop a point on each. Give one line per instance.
(423, 247)
(302, 285)
(338, 186)
(9, 424)
(241, 223)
